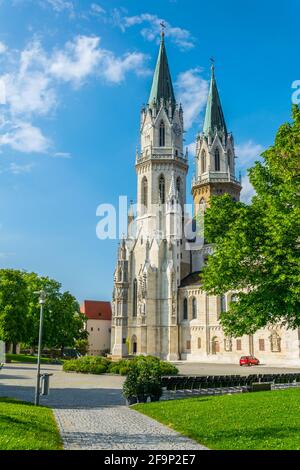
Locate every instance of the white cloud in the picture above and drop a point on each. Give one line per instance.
(247, 190)
(96, 9)
(114, 68)
(83, 57)
(2, 47)
(26, 138)
(61, 5)
(18, 169)
(77, 60)
(31, 88)
(192, 149)
(248, 152)
(66, 155)
(181, 37)
(192, 91)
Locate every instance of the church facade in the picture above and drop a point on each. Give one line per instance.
(159, 306)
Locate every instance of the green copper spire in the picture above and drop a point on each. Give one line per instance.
(162, 82)
(214, 117)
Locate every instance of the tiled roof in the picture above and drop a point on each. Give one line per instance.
(96, 310)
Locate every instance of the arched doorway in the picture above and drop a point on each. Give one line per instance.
(215, 345)
(134, 344)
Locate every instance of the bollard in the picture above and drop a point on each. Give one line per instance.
(45, 384)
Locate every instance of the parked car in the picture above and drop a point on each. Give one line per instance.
(249, 361)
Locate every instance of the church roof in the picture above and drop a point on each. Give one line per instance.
(191, 279)
(162, 86)
(214, 117)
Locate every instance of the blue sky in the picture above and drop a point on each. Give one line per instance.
(75, 75)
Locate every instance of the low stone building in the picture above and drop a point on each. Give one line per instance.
(98, 326)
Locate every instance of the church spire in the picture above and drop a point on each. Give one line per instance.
(162, 87)
(214, 117)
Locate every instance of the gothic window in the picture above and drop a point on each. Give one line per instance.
(162, 189)
(145, 192)
(162, 134)
(134, 299)
(202, 204)
(261, 343)
(238, 344)
(194, 308)
(185, 309)
(229, 158)
(199, 343)
(203, 162)
(178, 184)
(188, 345)
(275, 341)
(217, 160)
(223, 303)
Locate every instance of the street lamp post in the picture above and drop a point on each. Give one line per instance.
(42, 300)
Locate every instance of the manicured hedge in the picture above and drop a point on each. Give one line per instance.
(87, 365)
(101, 365)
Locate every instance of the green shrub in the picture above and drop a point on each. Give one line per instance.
(168, 369)
(87, 365)
(124, 370)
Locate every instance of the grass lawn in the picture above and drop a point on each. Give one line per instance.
(26, 427)
(248, 421)
(27, 359)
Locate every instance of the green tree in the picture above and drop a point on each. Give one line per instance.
(82, 346)
(256, 246)
(13, 307)
(63, 322)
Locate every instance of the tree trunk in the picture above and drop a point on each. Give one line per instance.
(7, 348)
(14, 348)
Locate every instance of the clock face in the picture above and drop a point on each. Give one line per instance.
(176, 129)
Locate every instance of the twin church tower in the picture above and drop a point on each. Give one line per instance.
(158, 305)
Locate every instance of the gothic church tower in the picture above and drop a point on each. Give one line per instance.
(156, 257)
(215, 154)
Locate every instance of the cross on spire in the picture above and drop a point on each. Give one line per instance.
(163, 27)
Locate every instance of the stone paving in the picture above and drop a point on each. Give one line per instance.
(117, 428)
(90, 411)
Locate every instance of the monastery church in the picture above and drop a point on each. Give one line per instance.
(159, 306)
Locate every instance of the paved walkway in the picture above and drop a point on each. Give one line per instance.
(90, 411)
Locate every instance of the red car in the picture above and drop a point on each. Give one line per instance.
(249, 361)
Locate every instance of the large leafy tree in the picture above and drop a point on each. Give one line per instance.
(63, 322)
(257, 246)
(13, 306)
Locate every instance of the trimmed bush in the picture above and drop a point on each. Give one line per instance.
(87, 365)
(101, 365)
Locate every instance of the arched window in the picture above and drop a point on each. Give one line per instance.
(185, 309)
(275, 342)
(194, 308)
(145, 192)
(203, 162)
(162, 134)
(217, 160)
(134, 299)
(162, 189)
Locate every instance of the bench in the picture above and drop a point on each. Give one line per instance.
(260, 386)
